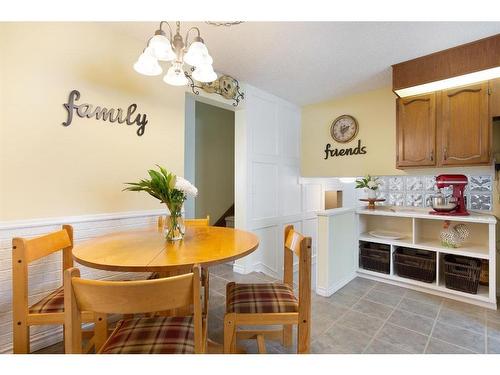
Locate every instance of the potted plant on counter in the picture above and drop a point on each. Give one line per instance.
(169, 189)
(370, 185)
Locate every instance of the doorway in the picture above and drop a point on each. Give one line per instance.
(209, 161)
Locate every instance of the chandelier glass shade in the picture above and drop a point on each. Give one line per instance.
(181, 55)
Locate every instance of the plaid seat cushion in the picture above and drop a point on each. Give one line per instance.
(157, 335)
(53, 303)
(260, 298)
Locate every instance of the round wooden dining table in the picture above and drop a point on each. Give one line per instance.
(147, 250)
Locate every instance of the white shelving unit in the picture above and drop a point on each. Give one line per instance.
(421, 231)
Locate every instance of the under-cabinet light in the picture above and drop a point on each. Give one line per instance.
(448, 83)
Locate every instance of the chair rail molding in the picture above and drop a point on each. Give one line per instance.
(45, 274)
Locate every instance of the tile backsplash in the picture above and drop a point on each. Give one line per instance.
(416, 191)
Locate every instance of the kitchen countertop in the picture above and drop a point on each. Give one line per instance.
(423, 213)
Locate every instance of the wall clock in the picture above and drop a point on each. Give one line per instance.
(344, 128)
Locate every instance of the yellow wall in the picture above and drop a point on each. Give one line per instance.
(48, 170)
(375, 112)
(376, 115)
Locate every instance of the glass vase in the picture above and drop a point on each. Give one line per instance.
(174, 225)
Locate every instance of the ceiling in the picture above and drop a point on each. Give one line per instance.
(309, 62)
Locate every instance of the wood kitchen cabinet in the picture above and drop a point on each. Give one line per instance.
(416, 131)
(446, 128)
(465, 126)
(495, 97)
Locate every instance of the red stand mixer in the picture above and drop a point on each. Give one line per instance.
(454, 205)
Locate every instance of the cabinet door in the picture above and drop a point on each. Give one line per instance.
(416, 131)
(495, 97)
(465, 126)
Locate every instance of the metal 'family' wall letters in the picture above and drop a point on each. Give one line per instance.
(111, 115)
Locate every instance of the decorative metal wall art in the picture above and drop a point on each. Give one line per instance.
(226, 86)
(102, 113)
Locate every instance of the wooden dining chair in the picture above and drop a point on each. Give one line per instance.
(50, 309)
(205, 276)
(142, 335)
(273, 303)
(187, 222)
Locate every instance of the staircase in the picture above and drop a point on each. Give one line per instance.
(227, 218)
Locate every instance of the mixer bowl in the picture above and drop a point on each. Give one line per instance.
(440, 203)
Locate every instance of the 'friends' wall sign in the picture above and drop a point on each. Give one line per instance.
(343, 130)
(102, 113)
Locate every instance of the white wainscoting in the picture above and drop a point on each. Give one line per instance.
(45, 274)
(269, 159)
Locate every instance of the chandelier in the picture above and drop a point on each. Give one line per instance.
(178, 52)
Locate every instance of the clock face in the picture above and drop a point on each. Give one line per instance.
(344, 128)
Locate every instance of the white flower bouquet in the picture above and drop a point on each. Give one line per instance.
(169, 189)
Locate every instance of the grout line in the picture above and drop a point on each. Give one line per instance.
(433, 326)
(486, 334)
(383, 324)
(345, 313)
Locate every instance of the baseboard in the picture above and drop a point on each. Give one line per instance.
(327, 292)
(238, 268)
(39, 340)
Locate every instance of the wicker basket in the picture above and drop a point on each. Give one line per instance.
(462, 273)
(415, 264)
(375, 257)
(484, 277)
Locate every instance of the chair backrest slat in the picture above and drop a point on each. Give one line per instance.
(133, 297)
(205, 222)
(40, 247)
(293, 241)
(128, 297)
(162, 220)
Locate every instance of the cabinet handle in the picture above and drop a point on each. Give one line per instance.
(431, 156)
(445, 153)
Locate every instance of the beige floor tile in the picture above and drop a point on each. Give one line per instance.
(493, 315)
(459, 318)
(424, 297)
(464, 307)
(419, 308)
(381, 347)
(361, 322)
(327, 310)
(441, 347)
(412, 321)
(221, 269)
(459, 336)
(493, 329)
(218, 284)
(344, 340)
(344, 299)
(408, 340)
(390, 289)
(383, 298)
(493, 346)
(372, 308)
